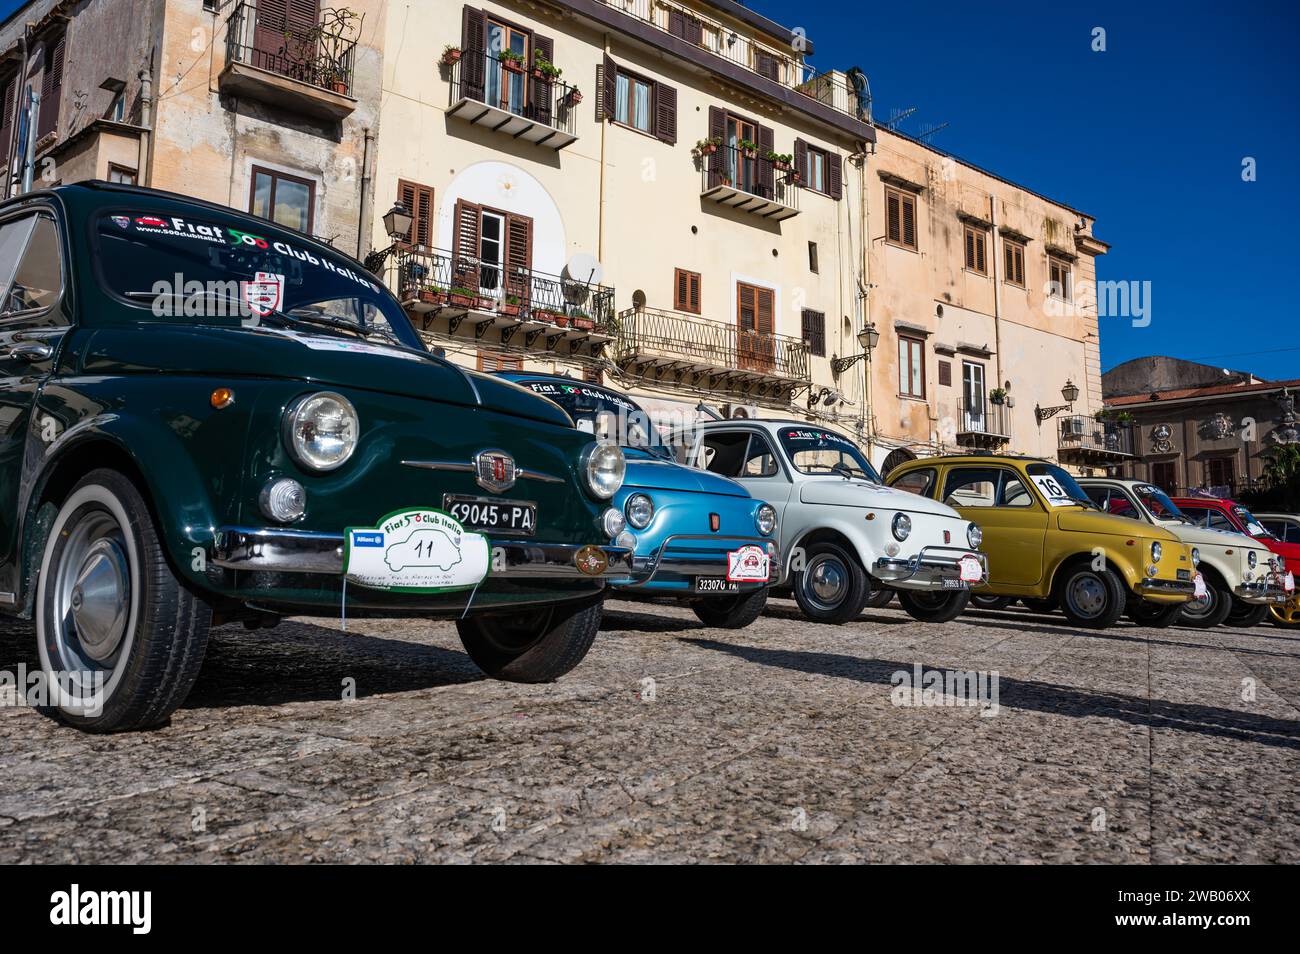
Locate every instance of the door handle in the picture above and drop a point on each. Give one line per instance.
(31, 350)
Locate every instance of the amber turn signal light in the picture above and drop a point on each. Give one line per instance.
(222, 398)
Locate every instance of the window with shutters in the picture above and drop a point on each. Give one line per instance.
(755, 323)
(736, 163)
(911, 367)
(814, 331)
(51, 85)
(492, 252)
(120, 174)
(686, 291)
(498, 362)
(900, 218)
(8, 92)
(1014, 262)
(945, 374)
(634, 101)
(812, 257)
(284, 199)
(637, 102)
(418, 200)
(817, 177)
(1059, 279)
(976, 245)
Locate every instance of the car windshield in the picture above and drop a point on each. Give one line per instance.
(1251, 523)
(604, 413)
(1161, 507)
(1058, 486)
(192, 269)
(815, 451)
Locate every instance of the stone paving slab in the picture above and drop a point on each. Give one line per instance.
(675, 742)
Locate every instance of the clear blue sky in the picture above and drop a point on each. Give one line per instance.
(1148, 136)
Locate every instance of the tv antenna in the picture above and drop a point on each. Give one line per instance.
(929, 130)
(896, 116)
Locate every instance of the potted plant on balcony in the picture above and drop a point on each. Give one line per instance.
(551, 317)
(545, 69)
(781, 161)
(511, 60)
(509, 306)
(998, 396)
(706, 147)
(462, 297)
(748, 149)
(450, 55)
(433, 295)
(582, 320)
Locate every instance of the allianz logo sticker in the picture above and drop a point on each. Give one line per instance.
(77, 907)
(362, 539)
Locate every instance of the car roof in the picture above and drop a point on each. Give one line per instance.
(973, 459)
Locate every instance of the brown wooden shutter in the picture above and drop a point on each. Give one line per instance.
(945, 373)
(7, 119)
(665, 98)
(609, 88)
(718, 131)
(465, 247)
(970, 248)
(981, 261)
(303, 15)
(766, 171)
(473, 53)
(686, 291)
(814, 331)
(418, 200)
(519, 258)
(51, 86)
(765, 64)
(269, 27)
(685, 26)
(541, 92)
(765, 312)
(909, 220)
(834, 176)
(893, 216)
(801, 160)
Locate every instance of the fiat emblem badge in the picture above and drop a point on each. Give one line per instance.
(495, 470)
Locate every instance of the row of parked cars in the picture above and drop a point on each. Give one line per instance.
(209, 419)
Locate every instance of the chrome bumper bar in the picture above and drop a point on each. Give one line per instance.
(299, 551)
(1150, 586)
(931, 568)
(1263, 590)
(644, 569)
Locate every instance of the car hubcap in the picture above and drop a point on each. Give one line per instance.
(92, 592)
(1201, 606)
(827, 580)
(1088, 596)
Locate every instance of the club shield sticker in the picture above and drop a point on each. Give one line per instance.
(416, 551)
(264, 293)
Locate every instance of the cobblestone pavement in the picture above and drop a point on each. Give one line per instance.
(776, 743)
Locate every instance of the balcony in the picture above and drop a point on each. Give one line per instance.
(710, 358)
(749, 183)
(742, 50)
(983, 426)
(306, 69)
(515, 310)
(502, 95)
(1087, 441)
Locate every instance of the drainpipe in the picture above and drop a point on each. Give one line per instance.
(364, 206)
(144, 174)
(997, 292)
(20, 81)
(868, 409)
(600, 189)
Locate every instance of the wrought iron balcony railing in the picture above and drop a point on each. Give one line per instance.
(715, 354)
(744, 180)
(442, 279)
(320, 54)
(1083, 437)
(512, 97)
(982, 424)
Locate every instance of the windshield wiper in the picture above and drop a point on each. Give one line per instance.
(324, 321)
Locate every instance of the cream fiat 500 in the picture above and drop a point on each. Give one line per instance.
(1241, 576)
(842, 532)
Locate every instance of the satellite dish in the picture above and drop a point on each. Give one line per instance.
(585, 268)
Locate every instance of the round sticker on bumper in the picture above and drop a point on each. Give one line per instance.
(415, 551)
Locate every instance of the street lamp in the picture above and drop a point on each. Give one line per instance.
(1071, 394)
(397, 223)
(868, 338)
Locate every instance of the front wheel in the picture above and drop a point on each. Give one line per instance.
(934, 607)
(531, 645)
(832, 587)
(735, 612)
(1246, 615)
(120, 638)
(880, 597)
(1091, 598)
(1045, 605)
(1155, 615)
(1287, 615)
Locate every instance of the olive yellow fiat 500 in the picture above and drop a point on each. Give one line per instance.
(1046, 541)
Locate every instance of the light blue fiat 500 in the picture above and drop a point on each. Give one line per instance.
(695, 536)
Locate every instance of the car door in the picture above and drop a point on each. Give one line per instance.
(749, 456)
(32, 322)
(1011, 516)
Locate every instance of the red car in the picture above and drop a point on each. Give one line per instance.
(1219, 513)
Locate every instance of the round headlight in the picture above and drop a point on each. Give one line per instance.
(765, 519)
(283, 500)
(902, 526)
(974, 536)
(603, 467)
(320, 430)
(1196, 556)
(1157, 551)
(612, 522)
(1252, 558)
(640, 511)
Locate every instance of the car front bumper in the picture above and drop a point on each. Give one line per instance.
(933, 568)
(669, 570)
(1265, 590)
(1166, 591)
(300, 551)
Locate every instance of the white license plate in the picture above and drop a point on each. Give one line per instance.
(715, 584)
(513, 517)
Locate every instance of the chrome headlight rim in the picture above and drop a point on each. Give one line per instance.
(640, 510)
(294, 413)
(765, 519)
(592, 457)
(1252, 558)
(1157, 551)
(1196, 556)
(612, 522)
(901, 526)
(974, 536)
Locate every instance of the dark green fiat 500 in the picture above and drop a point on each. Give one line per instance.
(206, 418)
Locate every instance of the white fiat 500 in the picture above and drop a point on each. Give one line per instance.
(842, 532)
